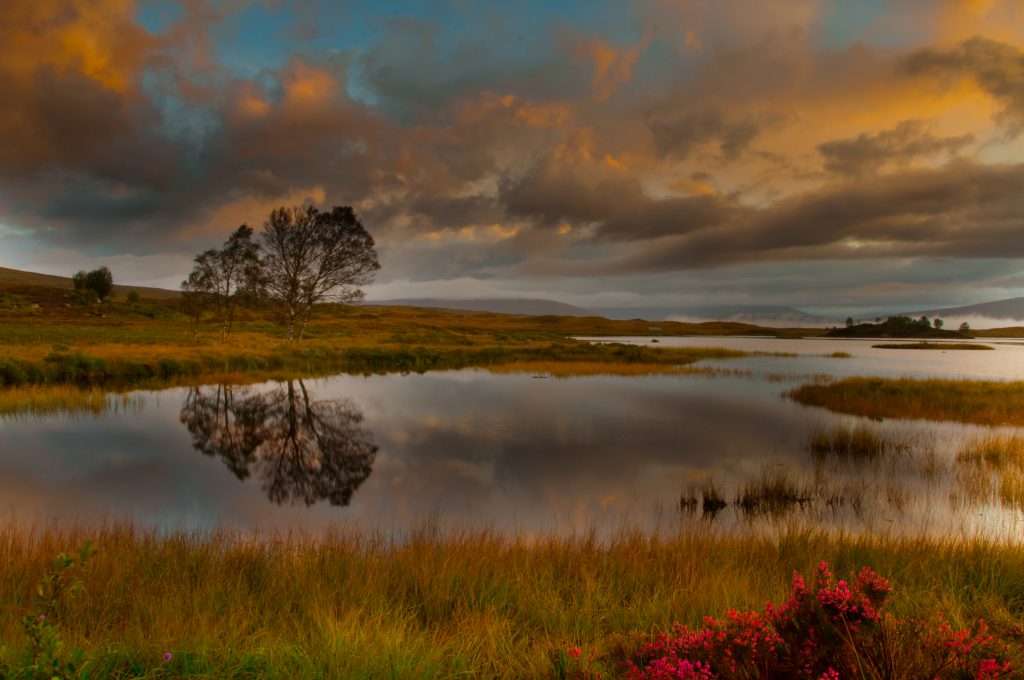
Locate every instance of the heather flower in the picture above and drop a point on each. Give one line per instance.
(168, 656)
(824, 631)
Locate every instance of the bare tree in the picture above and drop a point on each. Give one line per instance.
(314, 257)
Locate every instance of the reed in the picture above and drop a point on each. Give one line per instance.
(991, 470)
(443, 602)
(48, 399)
(971, 401)
(995, 451)
(860, 443)
(773, 493)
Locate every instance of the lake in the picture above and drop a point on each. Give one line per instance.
(515, 453)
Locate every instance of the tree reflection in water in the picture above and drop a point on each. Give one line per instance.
(301, 449)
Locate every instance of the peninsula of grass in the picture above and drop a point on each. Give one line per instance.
(934, 345)
(982, 402)
(49, 340)
(453, 604)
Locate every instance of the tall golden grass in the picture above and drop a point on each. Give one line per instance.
(992, 468)
(984, 402)
(27, 400)
(450, 603)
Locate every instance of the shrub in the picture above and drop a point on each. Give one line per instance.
(825, 631)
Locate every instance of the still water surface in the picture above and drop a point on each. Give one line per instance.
(516, 453)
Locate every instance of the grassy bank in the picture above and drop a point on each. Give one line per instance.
(969, 401)
(443, 604)
(117, 365)
(49, 340)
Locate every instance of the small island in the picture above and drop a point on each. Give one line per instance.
(900, 327)
(933, 345)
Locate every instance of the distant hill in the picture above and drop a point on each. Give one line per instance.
(524, 306)
(21, 278)
(755, 314)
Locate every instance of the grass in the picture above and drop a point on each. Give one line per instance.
(970, 401)
(934, 345)
(773, 493)
(991, 468)
(47, 399)
(50, 340)
(860, 443)
(447, 603)
(995, 451)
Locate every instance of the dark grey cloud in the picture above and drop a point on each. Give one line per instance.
(998, 68)
(868, 153)
(959, 210)
(683, 134)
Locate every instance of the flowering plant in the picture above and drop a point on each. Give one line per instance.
(826, 630)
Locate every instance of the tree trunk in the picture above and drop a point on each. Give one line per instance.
(305, 321)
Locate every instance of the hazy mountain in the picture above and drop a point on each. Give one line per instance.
(19, 277)
(753, 314)
(1011, 308)
(756, 314)
(498, 305)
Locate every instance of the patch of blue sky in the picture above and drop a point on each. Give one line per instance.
(180, 122)
(845, 21)
(263, 36)
(156, 15)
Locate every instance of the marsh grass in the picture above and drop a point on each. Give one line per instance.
(991, 469)
(712, 499)
(773, 493)
(994, 450)
(860, 443)
(443, 603)
(970, 401)
(33, 400)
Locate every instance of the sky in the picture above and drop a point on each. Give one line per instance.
(839, 156)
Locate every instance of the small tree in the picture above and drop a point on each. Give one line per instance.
(314, 257)
(100, 281)
(79, 281)
(95, 284)
(965, 327)
(849, 322)
(194, 301)
(227, 277)
(937, 323)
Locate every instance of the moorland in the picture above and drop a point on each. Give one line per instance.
(444, 602)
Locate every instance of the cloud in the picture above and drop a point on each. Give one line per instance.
(995, 67)
(496, 143)
(868, 153)
(962, 209)
(683, 134)
(70, 89)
